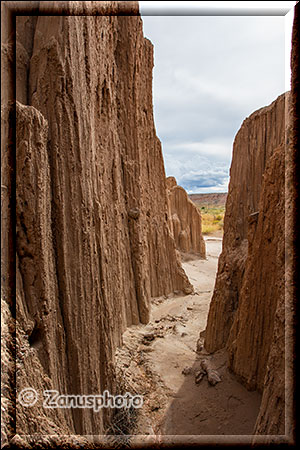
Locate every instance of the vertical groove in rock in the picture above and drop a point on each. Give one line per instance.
(25, 29)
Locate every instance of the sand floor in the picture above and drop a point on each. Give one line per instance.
(154, 356)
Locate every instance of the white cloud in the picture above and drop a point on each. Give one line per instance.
(221, 148)
(210, 73)
(199, 166)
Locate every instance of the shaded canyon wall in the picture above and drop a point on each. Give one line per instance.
(92, 228)
(247, 313)
(277, 412)
(259, 136)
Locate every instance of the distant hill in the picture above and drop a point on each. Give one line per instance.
(209, 199)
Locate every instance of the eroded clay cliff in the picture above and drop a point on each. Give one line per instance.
(277, 411)
(258, 138)
(92, 237)
(247, 312)
(251, 334)
(185, 221)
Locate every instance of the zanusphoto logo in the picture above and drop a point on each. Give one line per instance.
(52, 399)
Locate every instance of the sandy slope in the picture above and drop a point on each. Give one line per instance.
(173, 403)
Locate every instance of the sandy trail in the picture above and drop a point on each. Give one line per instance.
(154, 356)
(177, 349)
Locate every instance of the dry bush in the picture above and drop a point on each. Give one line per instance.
(212, 218)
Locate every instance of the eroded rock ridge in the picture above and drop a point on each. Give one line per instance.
(185, 221)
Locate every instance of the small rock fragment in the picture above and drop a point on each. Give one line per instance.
(199, 376)
(188, 290)
(187, 370)
(134, 213)
(212, 374)
(170, 318)
(149, 336)
(213, 377)
(199, 345)
(159, 334)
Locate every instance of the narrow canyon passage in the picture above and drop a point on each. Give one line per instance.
(154, 356)
(108, 284)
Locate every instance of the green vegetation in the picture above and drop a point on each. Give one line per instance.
(212, 218)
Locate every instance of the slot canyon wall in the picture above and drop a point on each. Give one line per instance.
(253, 293)
(255, 143)
(185, 221)
(249, 291)
(93, 243)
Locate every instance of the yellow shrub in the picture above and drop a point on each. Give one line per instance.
(212, 219)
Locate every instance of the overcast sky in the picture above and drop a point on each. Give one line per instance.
(210, 73)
